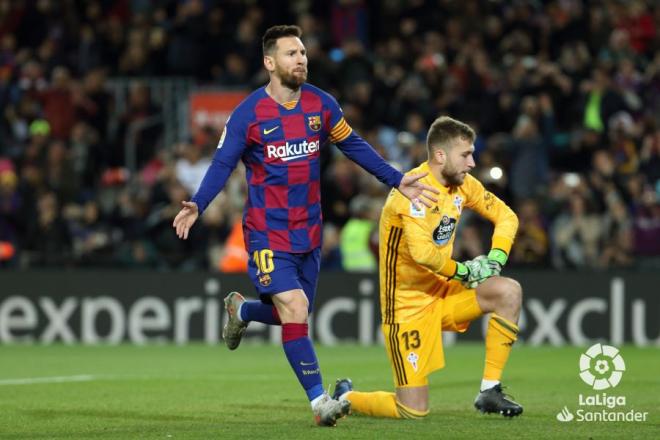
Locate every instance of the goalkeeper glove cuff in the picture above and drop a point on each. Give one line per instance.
(498, 255)
(462, 272)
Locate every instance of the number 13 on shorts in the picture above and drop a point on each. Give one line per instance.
(411, 339)
(415, 350)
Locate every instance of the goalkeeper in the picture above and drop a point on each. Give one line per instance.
(423, 291)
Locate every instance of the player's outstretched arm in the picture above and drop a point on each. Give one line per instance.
(418, 192)
(185, 219)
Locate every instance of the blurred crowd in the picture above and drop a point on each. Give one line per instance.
(564, 96)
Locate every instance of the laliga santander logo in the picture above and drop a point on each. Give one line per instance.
(601, 366)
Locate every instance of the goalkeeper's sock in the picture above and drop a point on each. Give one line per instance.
(302, 358)
(375, 404)
(488, 384)
(500, 337)
(381, 404)
(260, 312)
(408, 413)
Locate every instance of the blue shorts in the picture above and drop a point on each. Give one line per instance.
(274, 272)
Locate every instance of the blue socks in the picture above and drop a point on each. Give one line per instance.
(260, 312)
(302, 358)
(296, 343)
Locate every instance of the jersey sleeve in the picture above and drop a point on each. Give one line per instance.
(494, 209)
(419, 233)
(339, 128)
(230, 148)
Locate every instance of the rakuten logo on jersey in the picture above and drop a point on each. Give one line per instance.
(291, 151)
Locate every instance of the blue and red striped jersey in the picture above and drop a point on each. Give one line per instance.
(280, 147)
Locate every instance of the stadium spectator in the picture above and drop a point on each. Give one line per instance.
(576, 234)
(91, 236)
(356, 236)
(617, 236)
(191, 165)
(530, 146)
(141, 125)
(532, 241)
(48, 240)
(60, 175)
(58, 103)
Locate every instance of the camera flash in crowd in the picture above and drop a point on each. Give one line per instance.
(572, 179)
(496, 173)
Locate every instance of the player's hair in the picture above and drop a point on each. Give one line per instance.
(444, 130)
(269, 40)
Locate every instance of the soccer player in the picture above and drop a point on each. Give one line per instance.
(277, 131)
(423, 291)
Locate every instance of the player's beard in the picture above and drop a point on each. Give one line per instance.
(452, 176)
(291, 80)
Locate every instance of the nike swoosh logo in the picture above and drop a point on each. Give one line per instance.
(271, 130)
(307, 364)
(286, 159)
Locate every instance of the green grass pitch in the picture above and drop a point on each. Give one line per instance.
(202, 392)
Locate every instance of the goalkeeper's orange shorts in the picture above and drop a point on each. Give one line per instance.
(414, 348)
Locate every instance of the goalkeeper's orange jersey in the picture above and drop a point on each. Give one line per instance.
(416, 245)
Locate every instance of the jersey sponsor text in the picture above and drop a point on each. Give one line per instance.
(291, 151)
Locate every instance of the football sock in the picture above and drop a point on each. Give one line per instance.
(488, 384)
(260, 312)
(500, 336)
(316, 400)
(381, 404)
(376, 404)
(302, 358)
(408, 413)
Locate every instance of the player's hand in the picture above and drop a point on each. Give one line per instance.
(185, 219)
(471, 273)
(418, 192)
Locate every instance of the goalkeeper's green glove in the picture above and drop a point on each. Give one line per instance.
(496, 260)
(471, 273)
(462, 273)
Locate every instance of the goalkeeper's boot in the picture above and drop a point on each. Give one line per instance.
(342, 386)
(493, 400)
(234, 329)
(327, 410)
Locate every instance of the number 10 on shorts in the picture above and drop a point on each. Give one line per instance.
(263, 259)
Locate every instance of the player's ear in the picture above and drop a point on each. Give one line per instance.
(440, 155)
(269, 63)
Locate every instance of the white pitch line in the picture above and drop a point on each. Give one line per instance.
(54, 379)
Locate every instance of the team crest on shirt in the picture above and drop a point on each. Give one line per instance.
(265, 280)
(458, 203)
(314, 122)
(413, 358)
(417, 212)
(442, 234)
